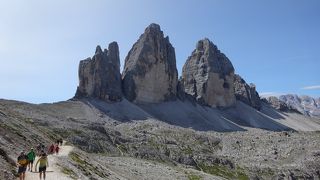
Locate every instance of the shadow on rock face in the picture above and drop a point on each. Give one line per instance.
(123, 111)
(191, 115)
(244, 115)
(188, 115)
(203, 118)
(272, 112)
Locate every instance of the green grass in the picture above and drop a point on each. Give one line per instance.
(69, 172)
(157, 146)
(86, 167)
(187, 150)
(76, 158)
(223, 171)
(13, 128)
(29, 120)
(153, 143)
(194, 177)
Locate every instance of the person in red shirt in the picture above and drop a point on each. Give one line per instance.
(57, 149)
(51, 149)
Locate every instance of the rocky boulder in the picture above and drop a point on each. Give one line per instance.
(99, 76)
(246, 92)
(208, 76)
(150, 74)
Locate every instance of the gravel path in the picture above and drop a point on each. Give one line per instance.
(53, 171)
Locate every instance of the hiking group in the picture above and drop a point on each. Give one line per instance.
(25, 161)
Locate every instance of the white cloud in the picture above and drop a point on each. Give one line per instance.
(311, 87)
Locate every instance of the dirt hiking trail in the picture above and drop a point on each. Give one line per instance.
(53, 171)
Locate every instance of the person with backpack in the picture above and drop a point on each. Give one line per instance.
(22, 163)
(57, 149)
(43, 147)
(31, 157)
(60, 141)
(51, 149)
(43, 164)
(38, 149)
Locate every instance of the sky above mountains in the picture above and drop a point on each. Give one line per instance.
(273, 44)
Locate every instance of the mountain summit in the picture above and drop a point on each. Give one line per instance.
(150, 74)
(99, 76)
(208, 76)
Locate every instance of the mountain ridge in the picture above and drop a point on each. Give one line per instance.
(304, 104)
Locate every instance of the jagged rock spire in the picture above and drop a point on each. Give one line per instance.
(150, 74)
(246, 92)
(208, 76)
(99, 76)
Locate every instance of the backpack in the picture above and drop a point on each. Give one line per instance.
(23, 160)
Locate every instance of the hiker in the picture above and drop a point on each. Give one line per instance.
(31, 157)
(60, 141)
(38, 149)
(22, 163)
(43, 164)
(51, 149)
(42, 147)
(57, 149)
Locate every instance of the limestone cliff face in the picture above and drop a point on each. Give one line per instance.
(208, 75)
(246, 92)
(99, 76)
(150, 73)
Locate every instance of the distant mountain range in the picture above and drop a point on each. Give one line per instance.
(304, 104)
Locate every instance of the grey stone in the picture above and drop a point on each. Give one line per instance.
(277, 104)
(180, 90)
(246, 92)
(99, 76)
(208, 76)
(150, 74)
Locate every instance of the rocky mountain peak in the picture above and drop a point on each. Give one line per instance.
(113, 54)
(99, 76)
(246, 92)
(205, 44)
(153, 28)
(276, 103)
(150, 74)
(113, 48)
(98, 50)
(208, 76)
(219, 63)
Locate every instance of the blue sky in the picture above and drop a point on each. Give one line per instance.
(273, 44)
